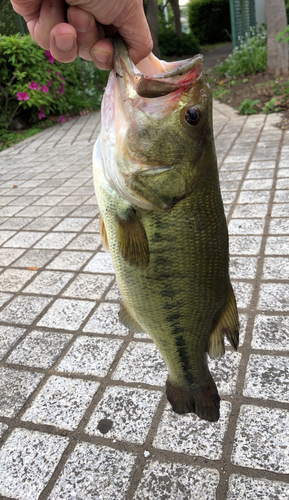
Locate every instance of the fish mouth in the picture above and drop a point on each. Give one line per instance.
(153, 78)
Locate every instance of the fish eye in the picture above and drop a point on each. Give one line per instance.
(193, 116)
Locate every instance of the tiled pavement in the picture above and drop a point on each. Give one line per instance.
(82, 408)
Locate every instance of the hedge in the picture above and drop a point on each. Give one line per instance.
(209, 20)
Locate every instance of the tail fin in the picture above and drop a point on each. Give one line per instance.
(205, 402)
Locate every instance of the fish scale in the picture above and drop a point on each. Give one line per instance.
(171, 258)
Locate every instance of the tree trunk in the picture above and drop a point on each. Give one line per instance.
(152, 19)
(277, 53)
(177, 17)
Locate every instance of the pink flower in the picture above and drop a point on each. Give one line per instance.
(62, 78)
(41, 114)
(49, 83)
(34, 86)
(62, 91)
(57, 73)
(22, 96)
(44, 89)
(62, 118)
(49, 56)
(49, 71)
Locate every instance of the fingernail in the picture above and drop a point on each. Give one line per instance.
(65, 42)
(100, 56)
(83, 23)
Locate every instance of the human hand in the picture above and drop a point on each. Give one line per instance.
(91, 23)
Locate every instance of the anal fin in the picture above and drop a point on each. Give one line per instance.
(127, 320)
(103, 234)
(228, 325)
(204, 402)
(132, 241)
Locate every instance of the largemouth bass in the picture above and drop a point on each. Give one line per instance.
(162, 219)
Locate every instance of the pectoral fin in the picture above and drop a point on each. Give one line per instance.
(132, 241)
(228, 325)
(127, 320)
(103, 234)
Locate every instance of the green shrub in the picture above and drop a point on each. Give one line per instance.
(171, 45)
(249, 57)
(10, 22)
(33, 85)
(209, 20)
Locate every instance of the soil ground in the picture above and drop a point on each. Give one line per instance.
(264, 93)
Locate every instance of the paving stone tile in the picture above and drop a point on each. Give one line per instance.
(177, 481)
(3, 429)
(9, 211)
(243, 267)
(23, 200)
(16, 223)
(229, 185)
(69, 261)
(8, 255)
(27, 462)
(283, 172)
(228, 197)
(105, 320)
(280, 184)
(4, 200)
(276, 268)
(24, 239)
(248, 245)
(66, 314)
(271, 333)
(93, 227)
(131, 411)
(43, 223)
(274, 297)
(24, 309)
(59, 211)
(252, 488)
(72, 224)
(267, 378)
(48, 282)
(4, 297)
(8, 336)
(5, 235)
(12, 280)
(262, 439)
(38, 349)
(86, 242)
(113, 294)
(191, 435)
(254, 197)
(49, 200)
(15, 388)
(90, 356)
(253, 185)
(281, 209)
(100, 263)
(55, 240)
(260, 173)
(262, 164)
(141, 362)
(32, 211)
(224, 371)
(34, 258)
(85, 211)
(243, 293)
(250, 210)
(61, 402)
(230, 175)
(246, 226)
(280, 226)
(95, 472)
(88, 286)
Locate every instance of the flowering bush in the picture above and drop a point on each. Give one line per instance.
(250, 56)
(33, 85)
